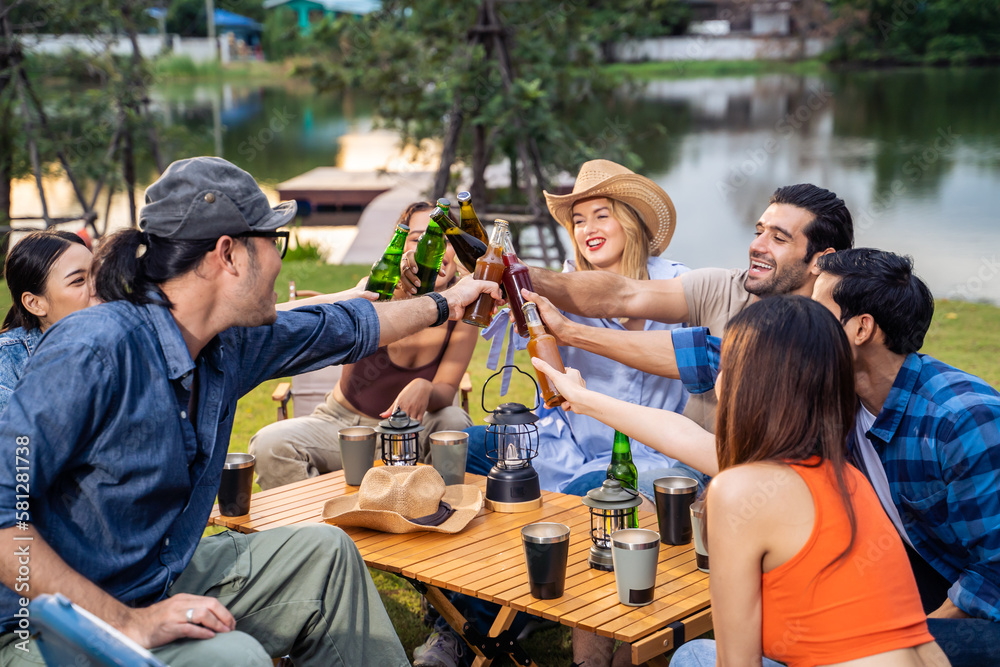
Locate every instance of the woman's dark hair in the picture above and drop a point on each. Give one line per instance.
(27, 269)
(787, 391)
(131, 264)
(832, 225)
(882, 285)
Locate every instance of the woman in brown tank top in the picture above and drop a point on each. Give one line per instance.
(419, 374)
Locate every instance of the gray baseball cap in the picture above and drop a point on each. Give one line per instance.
(203, 198)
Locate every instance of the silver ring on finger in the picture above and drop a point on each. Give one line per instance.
(189, 615)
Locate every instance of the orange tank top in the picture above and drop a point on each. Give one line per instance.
(867, 603)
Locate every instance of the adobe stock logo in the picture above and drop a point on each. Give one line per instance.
(255, 144)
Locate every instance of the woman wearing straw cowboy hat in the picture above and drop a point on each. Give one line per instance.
(620, 222)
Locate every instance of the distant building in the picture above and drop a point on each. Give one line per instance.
(743, 16)
(308, 10)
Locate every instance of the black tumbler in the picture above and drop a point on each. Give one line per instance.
(674, 496)
(546, 550)
(236, 485)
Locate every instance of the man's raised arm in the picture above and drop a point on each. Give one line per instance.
(399, 319)
(648, 351)
(605, 294)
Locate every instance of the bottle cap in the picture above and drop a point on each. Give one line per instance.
(464, 196)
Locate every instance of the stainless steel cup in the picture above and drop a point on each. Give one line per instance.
(635, 552)
(236, 485)
(449, 453)
(674, 496)
(697, 527)
(357, 452)
(546, 551)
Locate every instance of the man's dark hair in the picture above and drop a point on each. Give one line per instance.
(131, 264)
(832, 225)
(882, 284)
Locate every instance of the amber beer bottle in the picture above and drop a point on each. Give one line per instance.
(542, 345)
(488, 267)
(469, 221)
(515, 276)
(468, 248)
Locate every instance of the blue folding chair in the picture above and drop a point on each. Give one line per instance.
(70, 636)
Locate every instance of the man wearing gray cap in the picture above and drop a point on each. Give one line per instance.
(122, 420)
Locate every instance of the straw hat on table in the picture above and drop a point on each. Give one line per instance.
(406, 499)
(604, 178)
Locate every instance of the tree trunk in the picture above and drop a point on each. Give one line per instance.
(449, 149)
(480, 160)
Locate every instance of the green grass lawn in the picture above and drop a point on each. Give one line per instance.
(962, 334)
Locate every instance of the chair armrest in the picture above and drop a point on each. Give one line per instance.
(465, 388)
(282, 394)
(306, 293)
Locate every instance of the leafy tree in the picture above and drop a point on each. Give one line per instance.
(493, 79)
(917, 31)
(96, 138)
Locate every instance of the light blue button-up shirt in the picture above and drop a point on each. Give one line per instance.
(571, 445)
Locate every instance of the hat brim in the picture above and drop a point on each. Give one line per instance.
(648, 199)
(465, 499)
(281, 214)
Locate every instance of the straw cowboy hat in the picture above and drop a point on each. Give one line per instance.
(406, 499)
(604, 178)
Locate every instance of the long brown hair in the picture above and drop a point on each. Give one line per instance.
(787, 393)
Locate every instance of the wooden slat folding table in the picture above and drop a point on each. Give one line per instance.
(486, 560)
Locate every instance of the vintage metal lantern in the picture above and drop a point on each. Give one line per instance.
(612, 508)
(511, 443)
(398, 435)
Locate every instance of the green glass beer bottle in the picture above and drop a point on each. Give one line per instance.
(385, 271)
(430, 253)
(468, 248)
(468, 219)
(444, 205)
(623, 469)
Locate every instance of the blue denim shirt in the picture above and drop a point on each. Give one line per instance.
(16, 346)
(121, 481)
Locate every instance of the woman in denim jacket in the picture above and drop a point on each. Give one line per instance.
(48, 274)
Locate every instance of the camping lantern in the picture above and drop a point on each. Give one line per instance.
(612, 508)
(398, 435)
(511, 443)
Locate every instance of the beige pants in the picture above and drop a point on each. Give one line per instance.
(294, 449)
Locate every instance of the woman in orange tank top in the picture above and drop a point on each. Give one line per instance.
(806, 568)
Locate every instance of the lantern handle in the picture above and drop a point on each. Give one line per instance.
(482, 397)
(627, 489)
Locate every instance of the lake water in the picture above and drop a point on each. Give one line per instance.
(915, 154)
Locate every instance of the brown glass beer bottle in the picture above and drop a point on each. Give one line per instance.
(542, 345)
(488, 267)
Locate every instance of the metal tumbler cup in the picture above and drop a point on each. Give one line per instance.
(546, 551)
(236, 485)
(674, 496)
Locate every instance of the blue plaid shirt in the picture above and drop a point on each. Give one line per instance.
(938, 437)
(697, 357)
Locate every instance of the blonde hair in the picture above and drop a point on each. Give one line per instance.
(635, 255)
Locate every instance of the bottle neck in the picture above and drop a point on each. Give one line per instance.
(622, 447)
(498, 236)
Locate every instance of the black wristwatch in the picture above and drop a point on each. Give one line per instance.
(442, 304)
